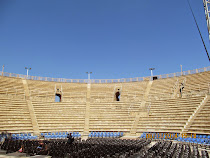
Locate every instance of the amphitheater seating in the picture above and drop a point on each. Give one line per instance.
(105, 134)
(161, 136)
(193, 84)
(90, 148)
(103, 92)
(164, 88)
(45, 91)
(41, 90)
(60, 135)
(130, 92)
(11, 87)
(133, 92)
(61, 116)
(75, 92)
(196, 83)
(108, 147)
(112, 116)
(193, 138)
(49, 135)
(168, 115)
(24, 105)
(201, 123)
(14, 115)
(24, 136)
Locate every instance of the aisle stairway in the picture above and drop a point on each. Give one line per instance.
(201, 123)
(169, 115)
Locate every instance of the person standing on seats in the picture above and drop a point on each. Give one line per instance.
(70, 139)
(181, 89)
(117, 94)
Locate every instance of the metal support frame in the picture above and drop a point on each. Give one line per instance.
(206, 4)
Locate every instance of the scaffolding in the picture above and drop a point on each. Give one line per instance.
(206, 4)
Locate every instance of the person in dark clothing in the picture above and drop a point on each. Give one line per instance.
(117, 94)
(181, 89)
(70, 139)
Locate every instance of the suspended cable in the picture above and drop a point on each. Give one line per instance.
(199, 30)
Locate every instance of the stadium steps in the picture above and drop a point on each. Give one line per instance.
(62, 116)
(201, 122)
(14, 115)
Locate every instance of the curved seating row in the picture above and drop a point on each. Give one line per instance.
(167, 136)
(194, 140)
(203, 136)
(25, 136)
(199, 139)
(60, 135)
(49, 135)
(105, 134)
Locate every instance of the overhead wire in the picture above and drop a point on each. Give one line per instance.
(199, 30)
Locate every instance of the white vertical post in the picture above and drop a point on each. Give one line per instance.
(2, 73)
(151, 70)
(181, 69)
(27, 69)
(89, 76)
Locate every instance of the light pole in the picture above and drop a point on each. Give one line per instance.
(151, 70)
(181, 69)
(2, 73)
(88, 76)
(27, 70)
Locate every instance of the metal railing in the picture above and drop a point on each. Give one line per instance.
(136, 79)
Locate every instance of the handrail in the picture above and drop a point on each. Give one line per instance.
(136, 79)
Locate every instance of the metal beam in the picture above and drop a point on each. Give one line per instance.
(206, 4)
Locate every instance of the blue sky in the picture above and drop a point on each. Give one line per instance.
(111, 38)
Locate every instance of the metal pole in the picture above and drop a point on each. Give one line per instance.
(181, 69)
(27, 69)
(151, 73)
(151, 70)
(2, 73)
(88, 76)
(27, 72)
